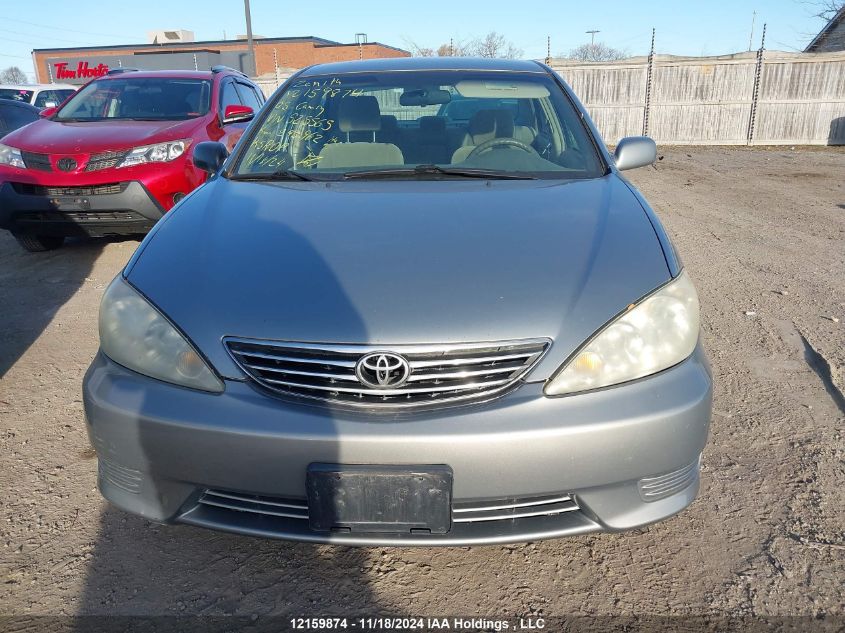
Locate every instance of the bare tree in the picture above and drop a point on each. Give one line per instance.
(491, 45)
(494, 45)
(417, 50)
(13, 75)
(454, 49)
(597, 52)
(825, 9)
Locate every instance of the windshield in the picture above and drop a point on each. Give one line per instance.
(16, 95)
(452, 123)
(147, 99)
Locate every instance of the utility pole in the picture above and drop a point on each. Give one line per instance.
(593, 36)
(253, 68)
(751, 37)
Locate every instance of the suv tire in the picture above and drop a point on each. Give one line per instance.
(39, 243)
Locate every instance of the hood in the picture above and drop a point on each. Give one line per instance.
(56, 137)
(400, 262)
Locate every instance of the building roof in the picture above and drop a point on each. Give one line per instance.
(836, 22)
(425, 63)
(317, 41)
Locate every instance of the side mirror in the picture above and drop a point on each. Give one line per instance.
(209, 156)
(635, 151)
(48, 112)
(237, 114)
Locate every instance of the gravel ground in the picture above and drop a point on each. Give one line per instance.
(762, 233)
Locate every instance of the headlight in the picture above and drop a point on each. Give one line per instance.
(655, 334)
(136, 335)
(158, 153)
(11, 156)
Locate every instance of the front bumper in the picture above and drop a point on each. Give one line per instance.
(122, 208)
(625, 456)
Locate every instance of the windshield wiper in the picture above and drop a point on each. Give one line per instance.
(427, 170)
(279, 174)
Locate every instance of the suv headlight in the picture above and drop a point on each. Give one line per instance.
(11, 156)
(136, 335)
(158, 153)
(658, 332)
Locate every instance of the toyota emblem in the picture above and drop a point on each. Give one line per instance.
(66, 164)
(383, 370)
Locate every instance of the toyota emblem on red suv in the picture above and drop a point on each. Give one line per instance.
(66, 164)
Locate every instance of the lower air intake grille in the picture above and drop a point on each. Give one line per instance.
(462, 512)
(256, 504)
(388, 377)
(662, 486)
(94, 190)
(514, 508)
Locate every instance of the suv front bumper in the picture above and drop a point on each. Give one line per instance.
(124, 208)
(625, 456)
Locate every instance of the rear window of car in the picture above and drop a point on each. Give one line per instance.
(139, 98)
(16, 95)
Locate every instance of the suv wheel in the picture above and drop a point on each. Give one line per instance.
(39, 243)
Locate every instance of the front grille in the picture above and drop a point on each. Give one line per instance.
(513, 508)
(256, 504)
(36, 161)
(26, 189)
(462, 512)
(105, 160)
(439, 374)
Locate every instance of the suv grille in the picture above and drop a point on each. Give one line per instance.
(105, 160)
(36, 161)
(438, 374)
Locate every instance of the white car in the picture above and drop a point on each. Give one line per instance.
(39, 95)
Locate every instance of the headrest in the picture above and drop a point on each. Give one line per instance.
(482, 122)
(388, 122)
(504, 123)
(432, 124)
(358, 114)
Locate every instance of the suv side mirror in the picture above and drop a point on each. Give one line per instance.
(237, 113)
(209, 156)
(635, 151)
(48, 112)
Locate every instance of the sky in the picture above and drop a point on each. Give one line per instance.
(683, 27)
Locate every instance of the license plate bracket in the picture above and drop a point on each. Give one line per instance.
(382, 499)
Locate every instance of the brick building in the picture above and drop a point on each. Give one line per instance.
(78, 65)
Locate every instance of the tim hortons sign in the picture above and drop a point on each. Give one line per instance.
(82, 71)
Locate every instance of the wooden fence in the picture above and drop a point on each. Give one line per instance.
(799, 97)
(772, 98)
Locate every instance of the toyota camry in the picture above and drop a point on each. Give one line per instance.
(417, 304)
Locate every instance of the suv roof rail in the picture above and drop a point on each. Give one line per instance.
(118, 71)
(220, 68)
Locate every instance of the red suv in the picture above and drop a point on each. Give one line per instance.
(113, 158)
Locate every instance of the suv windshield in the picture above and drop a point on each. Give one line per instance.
(153, 99)
(439, 124)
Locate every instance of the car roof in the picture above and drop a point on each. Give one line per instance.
(173, 74)
(18, 104)
(37, 87)
(425, 63)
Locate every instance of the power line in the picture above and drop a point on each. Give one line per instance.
(53, 37)
(56, 28)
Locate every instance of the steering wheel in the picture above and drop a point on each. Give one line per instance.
(500, 142)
